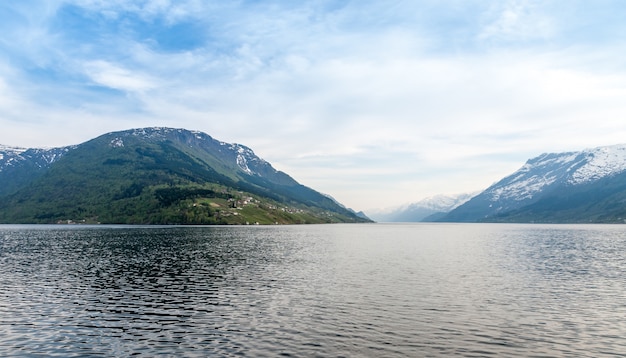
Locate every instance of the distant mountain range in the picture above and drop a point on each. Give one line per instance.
(429, 209)
(573, 187)
(155, 176)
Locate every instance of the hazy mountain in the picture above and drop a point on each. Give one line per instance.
(428, 209)
(360, 214)
(585, 186)
(156, 175)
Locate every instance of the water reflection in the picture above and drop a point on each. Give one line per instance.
(328, 290)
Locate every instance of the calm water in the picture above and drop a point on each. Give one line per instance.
(330, 290)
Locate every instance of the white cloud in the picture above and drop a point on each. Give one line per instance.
(518, 20)
(375, 107)
(110, 75)
(419, 115)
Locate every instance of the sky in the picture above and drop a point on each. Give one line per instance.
(376, 103)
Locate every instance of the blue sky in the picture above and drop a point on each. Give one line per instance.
(377, 103)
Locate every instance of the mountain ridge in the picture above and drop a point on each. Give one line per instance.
(427, 209)
(19, 165)
(157, 175)
(547, 181)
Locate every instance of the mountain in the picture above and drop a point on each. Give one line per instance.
(428, 209)
(21, 165)
(585, 186)
(155, 176)
(359, 214)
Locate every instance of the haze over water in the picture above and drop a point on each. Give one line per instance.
(321, 290)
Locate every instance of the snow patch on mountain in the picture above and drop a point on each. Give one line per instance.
(242, 162)
(16, 150)
(600, 162)
(10, 156)
(572, 168)
(153, 132)
(246, 159)
(39, 157)
(117, 142)
(523, 189)
(443, 203)
(10, 152)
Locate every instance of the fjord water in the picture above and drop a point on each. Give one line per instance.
(372, 290)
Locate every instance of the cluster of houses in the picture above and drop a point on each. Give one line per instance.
(239, 203)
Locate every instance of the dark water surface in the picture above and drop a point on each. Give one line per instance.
(376, 290)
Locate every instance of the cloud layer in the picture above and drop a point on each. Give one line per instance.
(375, 103)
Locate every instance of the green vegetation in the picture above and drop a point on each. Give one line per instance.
(170, 180)
(183, 204)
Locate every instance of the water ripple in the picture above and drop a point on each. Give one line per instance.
(325, 291)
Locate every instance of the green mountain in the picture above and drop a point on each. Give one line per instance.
(157, 176)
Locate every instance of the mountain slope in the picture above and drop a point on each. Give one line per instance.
(165, 175)
(602, 201)
(586, 186)
(21, 165)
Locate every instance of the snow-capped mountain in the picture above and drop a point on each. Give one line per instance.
(41, 157)
(236, 156)
(424, 210)
(21, 163)
(443, 203)
(18, 165)
(547, 179)
(152, 175)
